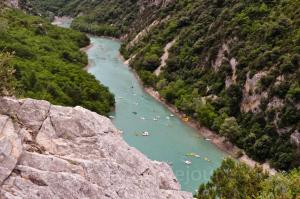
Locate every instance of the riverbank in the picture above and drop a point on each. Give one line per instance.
(170, 140)
(85, 49)
(209, 135)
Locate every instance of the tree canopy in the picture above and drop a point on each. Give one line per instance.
(47, 63)
(235, 180)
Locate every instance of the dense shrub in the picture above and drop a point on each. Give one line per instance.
(236, 180)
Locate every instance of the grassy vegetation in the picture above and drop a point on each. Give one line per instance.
(48, 63)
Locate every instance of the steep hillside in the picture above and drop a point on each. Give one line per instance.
(48, 63)
(232, 65)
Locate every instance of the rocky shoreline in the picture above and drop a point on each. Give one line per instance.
(213, 137)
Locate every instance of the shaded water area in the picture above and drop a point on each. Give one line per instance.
(170, 139)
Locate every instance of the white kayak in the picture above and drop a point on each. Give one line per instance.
(187, 162)
(146, 133)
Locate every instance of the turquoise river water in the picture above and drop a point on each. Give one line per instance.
(170, 139)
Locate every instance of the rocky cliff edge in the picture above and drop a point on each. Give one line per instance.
(56, 152)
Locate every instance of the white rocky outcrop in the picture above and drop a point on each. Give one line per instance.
(142, 34)
(295, 139)
(164, 57)
(251, 100)
(232, 80)
(49, 151)
(221, 56)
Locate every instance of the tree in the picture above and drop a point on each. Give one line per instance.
(151, 61)
(219, 121)
(294, 93)
(173, 90)
(6, 75)
(262, 147)
(230, 129)
(233, 181)
(282, 186)
(234, 97)
(206, 114)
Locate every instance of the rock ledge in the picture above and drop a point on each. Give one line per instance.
(56, 152)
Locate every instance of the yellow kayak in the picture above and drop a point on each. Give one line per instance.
(185, 119)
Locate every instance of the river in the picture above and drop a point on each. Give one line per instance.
(170, 139)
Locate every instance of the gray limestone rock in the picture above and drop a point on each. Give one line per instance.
(59, 152)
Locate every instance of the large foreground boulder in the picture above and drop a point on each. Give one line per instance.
(56, 152)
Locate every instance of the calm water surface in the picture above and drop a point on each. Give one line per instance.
(170, 139)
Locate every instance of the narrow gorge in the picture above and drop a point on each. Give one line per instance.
(150, 99)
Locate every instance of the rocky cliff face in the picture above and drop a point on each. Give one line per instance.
(49, 151)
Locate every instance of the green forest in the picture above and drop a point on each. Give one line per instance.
(262, 38)
(48, 64)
